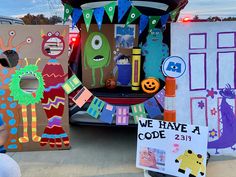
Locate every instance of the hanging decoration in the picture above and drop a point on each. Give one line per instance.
(88, 15)
(76, 16)
(98, 14)
(123, 8)
(110, 10)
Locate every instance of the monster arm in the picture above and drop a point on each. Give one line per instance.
(179, 159)
(108, 61)
(203, 169)
(85, 65)
(165, 51)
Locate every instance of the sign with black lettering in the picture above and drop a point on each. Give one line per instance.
(172, 148)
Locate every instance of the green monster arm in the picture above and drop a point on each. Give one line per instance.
(108, 61)
(85, 57)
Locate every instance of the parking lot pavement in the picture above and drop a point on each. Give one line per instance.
(96, 152)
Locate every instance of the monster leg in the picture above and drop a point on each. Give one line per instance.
(94, 78)
(233, 148)
(101, 77)
(25, 137)
(35, 138)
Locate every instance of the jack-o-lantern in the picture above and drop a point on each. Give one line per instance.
(111, 83)
(150, 85)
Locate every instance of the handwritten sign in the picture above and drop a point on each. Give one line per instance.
(172, 148)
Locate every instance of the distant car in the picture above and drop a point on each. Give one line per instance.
(10, 21)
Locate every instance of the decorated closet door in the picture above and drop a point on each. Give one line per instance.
(206, 91)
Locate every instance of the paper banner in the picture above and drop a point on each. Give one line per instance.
(133, 15)
(98, 14)
(164, 19)
(173, 14)
(152, 108)
(122, 115)
(76, 16)
(71, 84)
(110, 10)
(107, 113)
(67, 11)
(138, 111)
(95, 107)
(88, 15)
(123, 7)
(143, 23)
(82, 97)
(160, 97)
(153, 20)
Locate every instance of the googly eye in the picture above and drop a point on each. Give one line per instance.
(28, 40)
(57, 33)
(133, 15)
(97, 42)
(12, 33)
(49, 34)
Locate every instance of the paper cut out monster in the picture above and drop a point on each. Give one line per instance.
(193, 162)
(155, 51)
(228, 118)
(97, 54)
(27, 97)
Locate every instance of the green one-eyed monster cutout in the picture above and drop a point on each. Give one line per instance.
(97, 54)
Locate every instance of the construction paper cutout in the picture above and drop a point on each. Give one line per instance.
(71, 84)
(198, 41)
(143, 23)
(173, 14)
(82, 97)
(98, 14)
(110, 10)
(76, 16)
(173, 66)
(150, 85)
(107, 113)
(154, 47)
(53, 44)
(67, 12)
(53, 103)
(123, 7)
(88, 15)
(133, 15)
(95, 107)
(97, 55)
(152, 108)
(124, 70)
(164, 19)
(138, 111)
(21, 96)
(153, 21)
(122, 115)
(160, 97)
(226, 40)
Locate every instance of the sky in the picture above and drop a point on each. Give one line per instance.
(203, 8)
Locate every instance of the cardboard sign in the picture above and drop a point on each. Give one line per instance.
(172, 148)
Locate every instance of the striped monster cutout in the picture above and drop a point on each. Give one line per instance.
(53, 101)
(8, 107)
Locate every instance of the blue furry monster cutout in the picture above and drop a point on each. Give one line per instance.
(155, 51)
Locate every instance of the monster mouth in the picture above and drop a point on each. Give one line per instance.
(154, 39)
(98, 58)
(54, 46)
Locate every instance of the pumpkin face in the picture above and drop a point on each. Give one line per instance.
(150, 85)
(111, 83)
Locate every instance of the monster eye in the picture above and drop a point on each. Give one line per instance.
(57, 33)
(28, 40)
(12, 33)
(49, 34)
(97, 42)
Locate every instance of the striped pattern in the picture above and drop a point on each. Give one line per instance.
(54, 103)
(25, 137)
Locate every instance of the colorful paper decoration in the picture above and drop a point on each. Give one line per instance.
(76, 16)
(143, 23)
(164, 19)
(160, 97)
(173, 14)
(71, 84)
(95, 107)
(98, 14)
(138, 111)
(133, 15)
(152, 108)
(123, 7)
(82, 97)
(107, 113)
(122, 115)
(110, 10)
(67, 12)
(88, 15)
(153, 21)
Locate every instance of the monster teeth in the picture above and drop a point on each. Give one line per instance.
(100, 59)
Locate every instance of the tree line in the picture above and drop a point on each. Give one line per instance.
(41, 19)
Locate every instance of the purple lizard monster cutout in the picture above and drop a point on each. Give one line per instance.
(228, 137)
